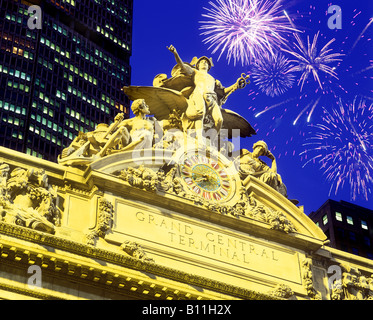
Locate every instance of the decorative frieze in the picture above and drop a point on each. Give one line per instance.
(135, 250)
(170, 182)
(282, 291)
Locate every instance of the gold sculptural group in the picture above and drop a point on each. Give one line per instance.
(186, 107)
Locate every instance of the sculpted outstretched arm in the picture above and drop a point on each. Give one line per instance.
(177, 57)
(180, 62)
(240, 84)
(231, 89)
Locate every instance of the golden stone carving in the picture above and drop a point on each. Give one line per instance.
(205, 95)
(27, 199)
(251, 164)
(282, 291)
(195, 95)
(353, 285)
(105, 220)
(121, 135)
(308, 280)
(135, 250)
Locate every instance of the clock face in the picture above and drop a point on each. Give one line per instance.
(207, 177)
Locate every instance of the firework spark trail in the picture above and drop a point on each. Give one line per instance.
(271, 74)
(306, 108)
(244, 29)
(310, 61)
(275, 106)
(343, 144)
(360, 35)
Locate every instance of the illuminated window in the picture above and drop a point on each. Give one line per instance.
(325, 220)
(350, 220)
(364, 225)
(338, 216)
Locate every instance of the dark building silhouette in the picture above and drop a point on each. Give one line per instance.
(348, 227)
(65, 77)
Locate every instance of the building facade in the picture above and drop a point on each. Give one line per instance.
(348, 227)
(99, 233)
(64, 77)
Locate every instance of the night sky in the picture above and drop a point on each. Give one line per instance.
(289, 133)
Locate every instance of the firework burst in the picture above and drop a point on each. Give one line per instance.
(343, 147)
(244, 29)
(309, 61)
(345, 77)
(272, 74)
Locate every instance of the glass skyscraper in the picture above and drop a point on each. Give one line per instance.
(65, 77)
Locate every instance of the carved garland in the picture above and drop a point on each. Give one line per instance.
(146, 179)
(104, 223)
(308, 280)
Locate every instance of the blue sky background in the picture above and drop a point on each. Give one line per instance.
(158, 24)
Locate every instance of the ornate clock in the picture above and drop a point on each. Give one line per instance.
(207, 177)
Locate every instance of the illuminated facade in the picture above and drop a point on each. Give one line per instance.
(65, 77)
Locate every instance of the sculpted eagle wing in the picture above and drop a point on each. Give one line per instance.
(232, 120)
(161, 101)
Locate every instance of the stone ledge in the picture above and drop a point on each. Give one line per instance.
(94, 274)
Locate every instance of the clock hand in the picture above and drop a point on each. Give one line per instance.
(200, 179)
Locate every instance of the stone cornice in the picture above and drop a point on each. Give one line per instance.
(95, 274)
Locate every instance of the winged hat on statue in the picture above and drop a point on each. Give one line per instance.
(195, 97)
